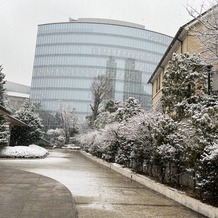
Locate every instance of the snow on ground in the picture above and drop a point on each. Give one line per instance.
(71, 146)
(31, 151)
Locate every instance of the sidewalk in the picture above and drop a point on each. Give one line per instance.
(29, 195)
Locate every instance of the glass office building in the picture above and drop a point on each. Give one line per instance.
(70, 55)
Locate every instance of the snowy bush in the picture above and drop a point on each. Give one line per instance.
(31, 151)
(4, 133)
(4, 128)
(56, 136)
(103, 119)
(128, 109)
(111, 141)
(170, 140)
(208, 173)
(86, 141)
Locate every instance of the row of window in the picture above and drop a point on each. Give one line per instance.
(78, 71)
(81, 106)
(98, 34)
(104, 28)
(83, 62)
(64, 94)
(44, 79)
(82, 83)
(87, 57)
(75, 49)
(77, 106)
(95, 40)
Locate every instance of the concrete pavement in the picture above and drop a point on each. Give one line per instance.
(99, 191)
(29, 195)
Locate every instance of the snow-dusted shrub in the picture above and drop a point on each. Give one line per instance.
(170, 146)
(111, 141)
(4, 133)
(31, 151)
(87, 140)
(60, 141)
(135, 140)
(103, 119)
(127, 109)
(208, 173)
(95, 147)
(56, 136)
(204, 128)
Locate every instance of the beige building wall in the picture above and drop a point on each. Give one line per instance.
(189, 44)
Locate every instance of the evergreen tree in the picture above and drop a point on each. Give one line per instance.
(31, 133)
(4, 131)
(106, 115)
(128, 109)
(208, 171)
(185, 77)
(2, 89)
(170, 142)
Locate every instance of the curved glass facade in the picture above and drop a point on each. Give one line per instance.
(70, 55)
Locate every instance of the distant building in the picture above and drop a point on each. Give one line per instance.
(68, 56)
(16, 94)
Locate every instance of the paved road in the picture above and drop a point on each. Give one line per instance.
(29, 195)
(98, 191)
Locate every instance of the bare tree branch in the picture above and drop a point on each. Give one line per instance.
(207, 31)
(100, 88)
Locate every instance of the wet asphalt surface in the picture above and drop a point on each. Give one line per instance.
(98, 191)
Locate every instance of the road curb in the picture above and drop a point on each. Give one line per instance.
(180, 197)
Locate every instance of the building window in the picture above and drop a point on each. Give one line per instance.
(158, 84)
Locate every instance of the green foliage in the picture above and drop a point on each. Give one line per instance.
(185, 76)
(4, 133)
(170, 146)
(4, 129)
(208, 173)
(2, 89)
(30, 134)
(128, 109)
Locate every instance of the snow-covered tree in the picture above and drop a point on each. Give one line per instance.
(208, 173)
(129, 108)
(69, 121)
(204, 124)
(143, 147)
(56, 136)
(107, 114)
(4, 131)
(31, 133)
(2, 89)
(185, 77)
(111, 142)
(171, 144)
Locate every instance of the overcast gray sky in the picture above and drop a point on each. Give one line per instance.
(19, 20)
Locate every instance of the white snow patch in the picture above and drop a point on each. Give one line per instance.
(71, 146)
(31, 151)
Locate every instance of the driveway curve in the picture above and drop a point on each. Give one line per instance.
(24, 195)
(99, 191)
